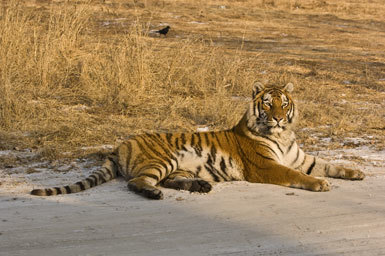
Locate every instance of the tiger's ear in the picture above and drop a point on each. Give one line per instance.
(289, 87)
(257, 88)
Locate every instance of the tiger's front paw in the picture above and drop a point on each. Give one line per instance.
(352, 174)
(200, 186)
(320, 185)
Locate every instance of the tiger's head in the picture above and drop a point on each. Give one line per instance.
(272, 110)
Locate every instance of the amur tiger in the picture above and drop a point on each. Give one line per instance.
(261, 148)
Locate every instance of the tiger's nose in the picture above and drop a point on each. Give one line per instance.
(278, 119)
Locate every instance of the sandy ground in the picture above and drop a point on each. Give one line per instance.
(234, 219)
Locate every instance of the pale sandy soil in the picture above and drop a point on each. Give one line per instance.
(234, 219)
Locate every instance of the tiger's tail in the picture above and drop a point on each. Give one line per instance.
(106, 173)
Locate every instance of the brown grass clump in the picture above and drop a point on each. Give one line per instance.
(86, 73)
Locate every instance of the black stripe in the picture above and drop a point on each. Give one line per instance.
(192, 141)
(111, 158)
(97, 177)
(183, 138)
(213, 152)
(81, 185)
(262, 143)
(291, 118)
(151, 143)
(259, 109)
(108, 171)
(267, 146)
(291, 145)
(296, 158)
(68, 189)
(101, 178)
(159, 171)
(155, 154)
(48, 191)
(259, 154)
(168, 160)
(253, 163)
(303, 161)
(148, 139)
(143, 169)
(199, 169)
(166, 151)
(142, 146)
(212, 170)
(58, 190)
(245, 156)
(149, 175)
(199, 144)
(221, 174)
(311, 167)
(276, 143)
(177, 143)
(231, 161)
(91, 182)
(215, 136)
(209, 169)
(209, 159)
(218, 173)
(223, 166)
(169, 138)
(198, 151)
(227, 135)
(135, 162)
(290, 112)
(170, 163)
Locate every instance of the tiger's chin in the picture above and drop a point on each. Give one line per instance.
(268, 130)
(276, 129)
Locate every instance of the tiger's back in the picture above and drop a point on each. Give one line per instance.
(210, 155)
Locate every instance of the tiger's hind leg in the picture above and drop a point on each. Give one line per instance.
(145, 185)
(184, 180)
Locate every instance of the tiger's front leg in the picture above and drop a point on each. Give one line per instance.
(345, 173)
(323, 168)
(285, 176)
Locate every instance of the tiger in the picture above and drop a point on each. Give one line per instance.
(260, 148)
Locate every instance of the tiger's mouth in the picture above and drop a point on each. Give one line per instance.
(274, 124)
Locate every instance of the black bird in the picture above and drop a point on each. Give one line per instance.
(163, 31)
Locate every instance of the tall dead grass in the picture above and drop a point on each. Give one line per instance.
(39, 59)
(66, 86)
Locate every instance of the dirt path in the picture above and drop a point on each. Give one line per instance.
(234, 219)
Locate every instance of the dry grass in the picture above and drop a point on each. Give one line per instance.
(84, 73)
